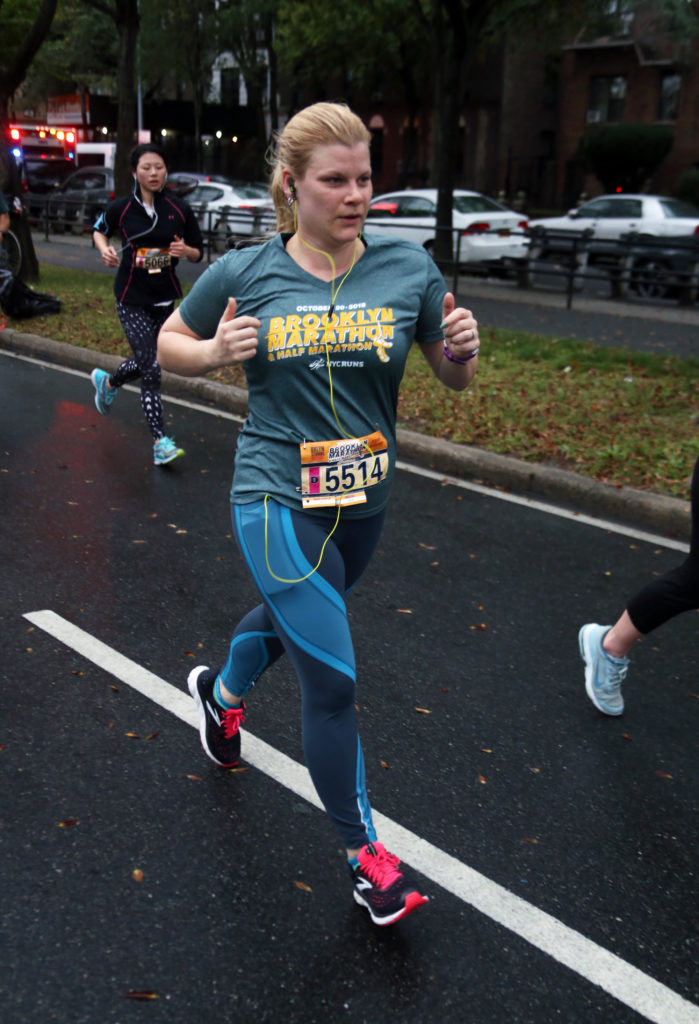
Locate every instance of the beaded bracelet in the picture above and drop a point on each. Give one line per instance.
(455, 359)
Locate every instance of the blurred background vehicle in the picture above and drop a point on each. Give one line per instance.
(485, 232)
(662, 267)
(183, 182)
(76, 204)
(226, 212)
(611, 216)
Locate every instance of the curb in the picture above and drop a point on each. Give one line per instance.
(663, 515)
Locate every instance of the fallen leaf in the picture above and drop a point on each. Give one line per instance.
(303, 886)
(137, 875)
(152, 735)
(527, 839)
(139, 542)
(76, 672)
(423, 711)
(481, 626)
(626, 735)
(240, 768)
(68, 823)
(197, 778)
(445, 689)
(133, 735)
(664, 775)
(405, 611)
(113, 687)
(486, 750)
(427, 547)
(384, 764)
(482, 779)
(142, 995)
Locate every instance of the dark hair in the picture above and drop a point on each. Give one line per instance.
(146, 147)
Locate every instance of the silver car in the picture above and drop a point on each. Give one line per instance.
(484, 231)
(226, 212)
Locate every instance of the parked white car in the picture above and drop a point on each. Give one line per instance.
(484, 230)
(611, 216)
(229, 212)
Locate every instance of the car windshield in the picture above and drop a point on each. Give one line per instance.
(250, 190)
(678, 208)
(204, 194)
(476, 204)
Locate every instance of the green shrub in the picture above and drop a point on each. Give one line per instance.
(687, 187)
(624, 156)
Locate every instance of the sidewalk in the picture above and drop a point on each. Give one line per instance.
(657, 513)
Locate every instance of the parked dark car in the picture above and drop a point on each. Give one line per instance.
(38, 179)
(662, 267)
(76, 204)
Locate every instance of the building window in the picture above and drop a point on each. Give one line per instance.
(606, 98)
(668, 99)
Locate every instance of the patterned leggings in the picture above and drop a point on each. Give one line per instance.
(141, 326)
(304, 615)
(676, 591)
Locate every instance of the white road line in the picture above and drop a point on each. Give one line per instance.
(406, 467)
(542, 506)
(597, 965)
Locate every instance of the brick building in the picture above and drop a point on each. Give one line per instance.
(635, 73)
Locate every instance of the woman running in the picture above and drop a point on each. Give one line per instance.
(157, 229)
(322, 318)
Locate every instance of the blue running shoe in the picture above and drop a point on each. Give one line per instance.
(103, 396)
(604, 674)
(165, 450)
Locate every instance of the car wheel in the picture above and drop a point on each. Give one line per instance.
(650, 279)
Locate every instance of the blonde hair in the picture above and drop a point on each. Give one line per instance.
(321, 124)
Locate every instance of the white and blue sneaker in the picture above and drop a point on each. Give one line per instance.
(103, 396)
(165, 450)
(604, 673)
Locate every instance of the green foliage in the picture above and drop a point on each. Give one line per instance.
(318, 41)
(687, 187)
(69, 60)
(625, 155)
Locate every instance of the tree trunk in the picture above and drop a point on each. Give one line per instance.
(127, 22)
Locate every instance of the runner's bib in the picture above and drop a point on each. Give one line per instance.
(338, 472)
(153, 260)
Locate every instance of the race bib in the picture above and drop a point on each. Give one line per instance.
(338, 472)
(153, 260)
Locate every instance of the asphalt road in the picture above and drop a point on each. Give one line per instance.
(558, 846)
(661, 327)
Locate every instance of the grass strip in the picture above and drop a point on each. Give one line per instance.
(618, 416)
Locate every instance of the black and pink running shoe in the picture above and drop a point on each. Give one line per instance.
(382, 888)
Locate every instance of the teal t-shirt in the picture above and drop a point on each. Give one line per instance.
(392, 296)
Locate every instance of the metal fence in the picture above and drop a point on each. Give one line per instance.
(633, 267)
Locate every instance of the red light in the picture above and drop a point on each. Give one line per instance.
(477, 228)
(60, 135)
(618, 189)
(696, 230)
(15, 134)
(523, 224)
(70, 137)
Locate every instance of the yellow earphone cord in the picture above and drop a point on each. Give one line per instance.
(333, 296)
